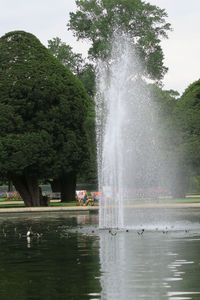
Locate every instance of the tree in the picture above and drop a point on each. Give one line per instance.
(43, 108)
(87, 77)
(180, 122)
(65, 55)
(86, 73)
(188, 111)
(75, 62)
(144, 23)
(170, 138)
(187, 116)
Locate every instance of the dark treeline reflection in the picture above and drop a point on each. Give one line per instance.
(57, 263)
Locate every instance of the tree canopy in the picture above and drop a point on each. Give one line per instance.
(86, 73)
(180, 122)
(75, 62)
(42, 116)
(144, 23)
(188, 116)
(65, 55)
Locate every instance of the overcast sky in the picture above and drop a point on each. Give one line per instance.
(48, 18)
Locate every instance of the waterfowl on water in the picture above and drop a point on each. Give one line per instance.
(140, 232)
(30, 233)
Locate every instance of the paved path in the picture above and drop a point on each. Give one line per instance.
(93, 208)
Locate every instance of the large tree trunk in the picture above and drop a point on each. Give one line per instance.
(10, 186)
(56, 186)
(28, 188)
(68, 187)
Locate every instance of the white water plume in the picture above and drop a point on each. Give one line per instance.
(127, 143)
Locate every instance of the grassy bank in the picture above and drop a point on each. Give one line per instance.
(52, 204)
(6, 203)
(168, 200)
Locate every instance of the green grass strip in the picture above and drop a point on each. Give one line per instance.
(136, 201)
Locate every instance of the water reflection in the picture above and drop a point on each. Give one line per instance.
(59, 264)
(151, 266)
(73, 259)
(28, 241)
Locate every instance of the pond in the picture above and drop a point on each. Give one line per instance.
(71, 258)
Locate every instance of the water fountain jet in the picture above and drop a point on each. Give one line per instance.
(127, 135)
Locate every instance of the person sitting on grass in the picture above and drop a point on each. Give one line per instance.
(86, 199)
(95, 197)
(80, 196)
(83, 198)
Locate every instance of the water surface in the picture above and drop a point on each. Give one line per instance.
(73, 259)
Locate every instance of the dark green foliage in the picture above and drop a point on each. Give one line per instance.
(188, 120)
(144, 23)
(165, 104)
(89, 173)
(180, 122)
(74, 61)
(87, 77)
(86, 74)
(43, 108)
(165, 100)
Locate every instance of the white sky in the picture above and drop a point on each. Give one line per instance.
(48, 18)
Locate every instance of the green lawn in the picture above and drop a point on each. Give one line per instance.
(184, 200)
(11, 205)
(70, 204)
(53, 204)
(63, 204)
(13, 199)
